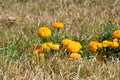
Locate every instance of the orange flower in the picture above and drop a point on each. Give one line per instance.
(93, 46)
(106, 43)
(66, 42)
(50, 46)
(114, 45)
(75, 55)
(47, 46)
(100, 46)
(77, 44)
(44, 32)
(58, 25)
(116, 34)
(74, 47)
(55, 47)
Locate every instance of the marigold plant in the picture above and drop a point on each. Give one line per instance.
(71, 46)
(108, 43)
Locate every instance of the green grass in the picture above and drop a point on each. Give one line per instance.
(84, 21)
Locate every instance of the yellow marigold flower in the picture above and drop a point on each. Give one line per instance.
(100, 57)
(106, 43)
(75, 55)
(73, 48)
(58, 25)
(115, 40)
(55, 47)
(38, 51)
(47, 45)
(114, 45)
(77, 44)
(100, 46)
(93, 46)
(66, 42)
(116, 34)
(44, 32)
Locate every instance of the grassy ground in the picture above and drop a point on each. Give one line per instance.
(83, 19)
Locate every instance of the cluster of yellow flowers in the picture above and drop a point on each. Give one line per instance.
(39, 50)
(95, 45)
(45, 32)
(72, 47)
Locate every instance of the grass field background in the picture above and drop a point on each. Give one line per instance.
(84, 20)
